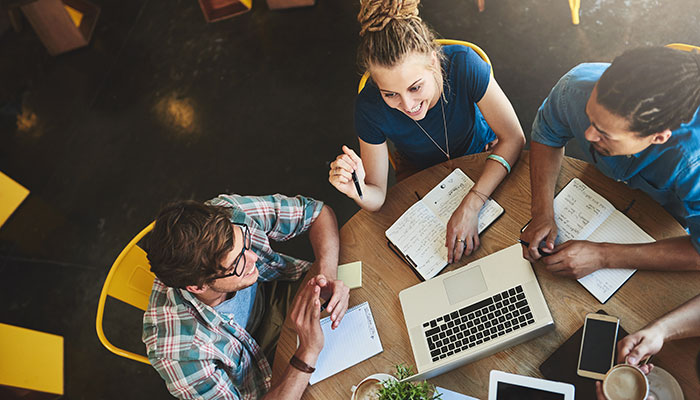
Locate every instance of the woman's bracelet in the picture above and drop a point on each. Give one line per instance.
(500, 160)
(480, 195)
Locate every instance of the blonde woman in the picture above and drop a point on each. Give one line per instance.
(434, 103)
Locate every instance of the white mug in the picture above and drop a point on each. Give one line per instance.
(376, 377)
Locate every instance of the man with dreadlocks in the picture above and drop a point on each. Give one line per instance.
(638, 121)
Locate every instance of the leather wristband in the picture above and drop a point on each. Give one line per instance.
(300, 365)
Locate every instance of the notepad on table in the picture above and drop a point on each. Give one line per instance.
(419, 233)
(446, 394)
(351, 274)
(354, 340)
(582, 214)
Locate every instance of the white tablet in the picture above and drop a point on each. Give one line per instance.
(505, 386)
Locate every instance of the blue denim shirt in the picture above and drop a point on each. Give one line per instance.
(668, 172)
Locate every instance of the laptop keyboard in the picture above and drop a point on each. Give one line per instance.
(477, 323)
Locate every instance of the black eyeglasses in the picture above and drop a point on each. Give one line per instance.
(238, 266)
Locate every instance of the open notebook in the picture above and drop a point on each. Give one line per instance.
(419, 233)
(583, 214)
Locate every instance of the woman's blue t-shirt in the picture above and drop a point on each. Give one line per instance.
(467, 77)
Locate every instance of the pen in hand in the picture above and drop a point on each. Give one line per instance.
(543, 245)
(357, 184)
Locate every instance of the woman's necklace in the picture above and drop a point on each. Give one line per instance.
(444, 123)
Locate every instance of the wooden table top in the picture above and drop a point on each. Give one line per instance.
(646, 296)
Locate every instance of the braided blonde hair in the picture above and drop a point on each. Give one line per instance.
(390, 30)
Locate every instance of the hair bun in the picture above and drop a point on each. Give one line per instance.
(376, 14)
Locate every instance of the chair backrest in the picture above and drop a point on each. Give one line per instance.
(443, 42)
(130, 280)
(684, 47)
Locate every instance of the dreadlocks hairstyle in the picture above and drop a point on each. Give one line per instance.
(188, 243)
(390, 30)
(654, 88)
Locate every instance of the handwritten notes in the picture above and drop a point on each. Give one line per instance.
(354, 340)
(583, 214)
(420, 232)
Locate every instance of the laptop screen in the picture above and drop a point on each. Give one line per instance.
(509, 391)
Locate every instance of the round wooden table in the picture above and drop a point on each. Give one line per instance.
(646, 296)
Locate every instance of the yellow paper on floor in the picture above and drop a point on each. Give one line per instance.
(351, 274)
(74, 14)
(12, 194)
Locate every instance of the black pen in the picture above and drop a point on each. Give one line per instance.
(357, 184)
(544, 254)
(629, 206)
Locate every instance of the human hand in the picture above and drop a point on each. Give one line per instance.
(341, 169)
(340, 295)
(306, 315)
(575, 259)
(641, 345)
(542, 228)
(462, 235)
(599, 391)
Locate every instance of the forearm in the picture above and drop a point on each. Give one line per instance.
(493, 173)
(373, 197)
(293, 381)
(674, 254)
(324, 238)
(682, 322)
(545, 163)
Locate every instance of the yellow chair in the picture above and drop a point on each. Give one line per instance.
(12, 194)
(30, 361)
(443, 42)
(130, 280)
(684, 47)
(575, 6)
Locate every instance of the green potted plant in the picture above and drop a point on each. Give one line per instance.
(397, 390)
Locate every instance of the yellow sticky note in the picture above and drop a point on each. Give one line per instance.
(351, 274)
(12, 194)
(75, 15)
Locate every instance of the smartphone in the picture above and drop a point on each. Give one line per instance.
(597, 353)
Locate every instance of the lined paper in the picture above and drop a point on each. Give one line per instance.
(420, 232)
(583, 214)
(354, 340)
(603, 283)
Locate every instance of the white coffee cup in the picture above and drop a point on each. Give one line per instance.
(368, 387)
(625, 382)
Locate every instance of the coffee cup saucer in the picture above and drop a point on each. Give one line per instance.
(663, 385)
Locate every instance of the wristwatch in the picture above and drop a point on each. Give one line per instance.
(300, 365)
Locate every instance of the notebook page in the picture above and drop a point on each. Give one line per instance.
(444, 199)
(603, 283)
(578, 211)
(354, 340)
(419, 234)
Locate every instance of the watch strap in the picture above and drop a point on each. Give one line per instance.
(300, 365)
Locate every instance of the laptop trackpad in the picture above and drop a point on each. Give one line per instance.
(464, 285)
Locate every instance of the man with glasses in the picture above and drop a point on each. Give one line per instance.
(222, 293)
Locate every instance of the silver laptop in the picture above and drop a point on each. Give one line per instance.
(467, 314)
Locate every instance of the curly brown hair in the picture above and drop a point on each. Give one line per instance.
(188, 243)
(390, 30)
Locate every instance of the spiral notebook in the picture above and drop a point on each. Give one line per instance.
(353, 341)
(418, 236)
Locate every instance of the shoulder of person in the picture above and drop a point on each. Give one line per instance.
(583, 77)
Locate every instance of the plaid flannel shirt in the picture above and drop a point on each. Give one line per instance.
(202, 354)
